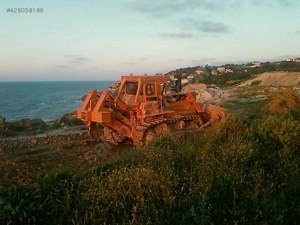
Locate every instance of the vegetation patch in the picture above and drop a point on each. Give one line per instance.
(239, 172)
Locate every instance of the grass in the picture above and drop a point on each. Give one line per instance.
(237, 173)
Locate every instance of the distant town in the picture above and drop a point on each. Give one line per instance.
(230, 74)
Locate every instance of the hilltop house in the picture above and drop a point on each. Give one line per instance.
(296, 60)
(190, 77)
(223, 69)
(214, 72)
(255, 64)
(184, 75)
(185, 81)
(199, 72)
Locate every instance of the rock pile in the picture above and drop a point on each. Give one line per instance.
(37, 126)
(205, 93)
(27, 124)
(69, 119)
(2, 124)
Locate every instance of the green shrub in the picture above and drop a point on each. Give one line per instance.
(56, 200)
(295, 113)
(136, 196)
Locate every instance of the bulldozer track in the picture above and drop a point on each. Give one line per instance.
(172, 120)
(141, 141)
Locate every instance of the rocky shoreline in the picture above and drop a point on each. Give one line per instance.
(31, 127)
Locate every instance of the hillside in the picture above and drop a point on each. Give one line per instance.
(232, 74)
(275, 79)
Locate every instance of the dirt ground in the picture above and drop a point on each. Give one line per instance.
(23, 159)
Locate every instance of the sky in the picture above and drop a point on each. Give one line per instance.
(102, 40)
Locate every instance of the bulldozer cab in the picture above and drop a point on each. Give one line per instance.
(136, 89)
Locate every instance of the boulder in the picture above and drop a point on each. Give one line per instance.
(205, 93)
(69, 119)
(2, 124)
(26, 124)
(2, 120)
(204, 96)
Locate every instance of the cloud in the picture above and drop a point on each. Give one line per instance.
(77, 59)
(180, 35)
(167, 7)
(63, 66)
(81, 59)
(154, 6)
(286, 2)
(281, 3)
(205, 26)
(258, 2)
(298, 32)
(209, 26)
(70, 61)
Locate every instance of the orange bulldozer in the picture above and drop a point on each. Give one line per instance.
(143, 108)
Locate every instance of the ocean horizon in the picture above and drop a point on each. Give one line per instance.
(46, 100)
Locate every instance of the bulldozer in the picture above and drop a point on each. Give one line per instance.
(143, 108)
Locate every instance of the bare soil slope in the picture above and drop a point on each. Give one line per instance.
(275, 79)
(283, 102)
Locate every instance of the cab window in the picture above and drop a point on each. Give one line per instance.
(150, 89)
(131, 88)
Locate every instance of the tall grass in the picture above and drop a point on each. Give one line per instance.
(236, 173)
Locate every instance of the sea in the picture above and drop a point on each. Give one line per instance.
(44, 100)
